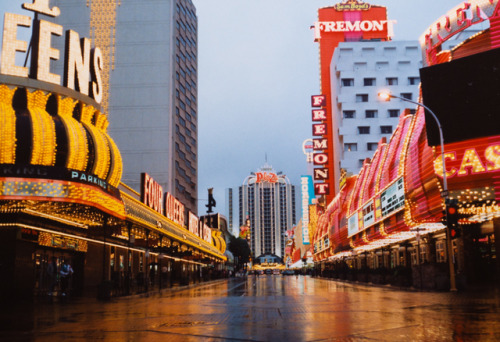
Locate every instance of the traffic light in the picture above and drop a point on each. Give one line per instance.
(452, 219)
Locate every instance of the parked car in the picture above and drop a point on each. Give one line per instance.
(288, 272)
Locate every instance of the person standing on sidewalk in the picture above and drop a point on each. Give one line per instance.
(52, 276)
(65, 273)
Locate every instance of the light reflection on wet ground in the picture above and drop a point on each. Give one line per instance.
(265, 308)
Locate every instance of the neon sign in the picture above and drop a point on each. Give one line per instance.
(307, 197)
(82, 65)
(354, 26)
(320, 156)
(469, 162)
(174, 209)
(459, 18)
(266, 177)
(152, 193)
(352, 5)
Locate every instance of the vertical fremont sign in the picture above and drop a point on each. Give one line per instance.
(320, 145)
(347, 21)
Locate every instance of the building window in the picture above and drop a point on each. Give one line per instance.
(413, 80)
(361, 97)
(372, 146)
(407, 96)
(368, 82)
(349, 114)
(440, 251)
(382, 65)
(360, 66)
(364, 129)
(361, 162)
(386, 129)
(350, 147)
(347, 82)
(371, 114)
(391, 81)
(393, 113)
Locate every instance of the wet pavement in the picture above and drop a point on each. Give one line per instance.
(265, 308)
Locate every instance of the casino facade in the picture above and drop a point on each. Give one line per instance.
(386, 224)
(61, 195)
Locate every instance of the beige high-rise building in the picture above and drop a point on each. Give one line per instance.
(150, 91)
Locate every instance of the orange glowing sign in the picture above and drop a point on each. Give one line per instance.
(266, 177)
(152, 193)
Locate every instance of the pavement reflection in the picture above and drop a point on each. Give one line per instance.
(264, 308)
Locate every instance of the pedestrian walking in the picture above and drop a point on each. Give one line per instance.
(65, 273)
(51, 276)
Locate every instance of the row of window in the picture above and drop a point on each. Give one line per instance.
(370, 113)
(181, 190)
(184, 175)
(387, 50)
(186, 11)
(365, 97)
(182, 138)
(186, 56)
(366, 129)
(185, 41)
(353, 147)
(372, 81)
(186, 27)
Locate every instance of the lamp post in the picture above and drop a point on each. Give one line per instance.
(386, 96)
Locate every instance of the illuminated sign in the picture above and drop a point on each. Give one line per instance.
(368, 214)
(55, 173)
(81, 176)
(82, 65)
(320, 144)
(393, 197)
(174, 209)
(354, 26)
(322, 189)
(307, 148)
(343, 178)
(321, 174)
(470, 161)
(266, 177)
(319, 129)
(318, 100)
(194, 224)
(352, 5)
(320, 156)
(318, 115)
(353, 224)
(307, 197)
(151, 193)
(207, 234)
(459, 18)
(245, 232)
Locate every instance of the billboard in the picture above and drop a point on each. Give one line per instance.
(456, 90)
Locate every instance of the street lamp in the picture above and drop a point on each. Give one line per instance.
(386, 96)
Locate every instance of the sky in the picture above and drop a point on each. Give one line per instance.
(257, 69)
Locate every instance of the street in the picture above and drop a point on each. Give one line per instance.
(263, 308)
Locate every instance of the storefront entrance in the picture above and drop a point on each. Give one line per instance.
(47, 263)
